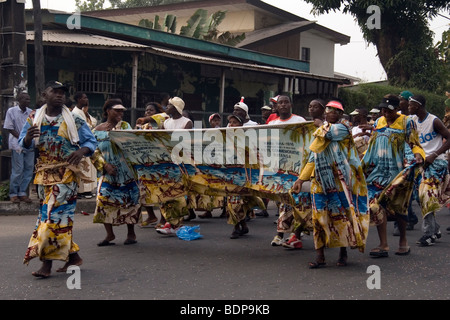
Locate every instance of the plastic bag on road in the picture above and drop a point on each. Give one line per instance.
(189, 233)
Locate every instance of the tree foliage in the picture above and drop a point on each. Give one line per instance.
(199, 26)
(404, 41)
(91, 5)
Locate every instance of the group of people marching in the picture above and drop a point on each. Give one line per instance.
(345, 190)
(405, 157)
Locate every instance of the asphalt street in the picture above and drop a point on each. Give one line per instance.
(219, 268)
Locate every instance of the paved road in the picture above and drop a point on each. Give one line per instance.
(218, 268)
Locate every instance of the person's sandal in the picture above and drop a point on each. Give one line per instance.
(379, 253)
(317, 264)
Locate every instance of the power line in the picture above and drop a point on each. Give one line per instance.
(443, 16)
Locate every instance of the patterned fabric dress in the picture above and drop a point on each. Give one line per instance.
(118, 197)
(434, 185)
(57, 189)
(338, 189)
(296, 213)
(389, 167)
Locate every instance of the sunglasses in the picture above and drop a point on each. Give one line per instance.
(414, 100)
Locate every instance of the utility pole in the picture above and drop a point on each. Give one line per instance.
(13, 57)
(39, 64)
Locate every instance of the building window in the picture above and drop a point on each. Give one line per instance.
(306, 54)
(97, 82)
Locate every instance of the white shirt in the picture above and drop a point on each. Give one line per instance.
(91, 122)
(292, 119)
(429, 139)
(179, 123)
(250, 123)
(356, 130)
(15, 120)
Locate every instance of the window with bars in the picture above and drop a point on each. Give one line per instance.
(306, 54)
(97, 82)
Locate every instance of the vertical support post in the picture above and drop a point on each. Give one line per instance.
(134, 89)
(222, 93)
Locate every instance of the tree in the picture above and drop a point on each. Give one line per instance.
(89, 5)
(92, 5)
(403, 40)
(169, 23)
(442, 49)
(199, 26)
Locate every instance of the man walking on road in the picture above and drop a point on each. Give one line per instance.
(62, 140)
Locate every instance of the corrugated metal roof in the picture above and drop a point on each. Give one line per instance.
(58, 36)
(68, 37)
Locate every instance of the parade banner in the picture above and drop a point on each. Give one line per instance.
(262, 161)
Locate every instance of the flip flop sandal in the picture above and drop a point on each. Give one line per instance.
(381, 253)
(105, 243)
(316, 265)
(129, 241)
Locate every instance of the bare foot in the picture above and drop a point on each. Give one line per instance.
(74, 260)
(44, 271)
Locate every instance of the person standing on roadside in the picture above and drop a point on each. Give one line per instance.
(81, 108)
(22, 160)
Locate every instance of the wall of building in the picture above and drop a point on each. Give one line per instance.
(322, 53)
(197, 84)
(287, 47)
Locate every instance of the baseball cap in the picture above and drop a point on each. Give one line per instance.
(178, 103)
(390, 102)
(335, 104)
(56, 85)
(118, 107)
(266, 108)
(354, 113)
(405, 95)
(374, 110)
(214, 115)
(236, 117)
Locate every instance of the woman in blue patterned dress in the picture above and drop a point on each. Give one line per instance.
(394, 145)
(338, 188)
(118, 197)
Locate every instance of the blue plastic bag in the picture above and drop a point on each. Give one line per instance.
(189, 233)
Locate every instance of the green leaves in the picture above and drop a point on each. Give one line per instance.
(404, 41)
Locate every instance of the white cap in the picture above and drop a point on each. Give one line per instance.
(178, 103)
